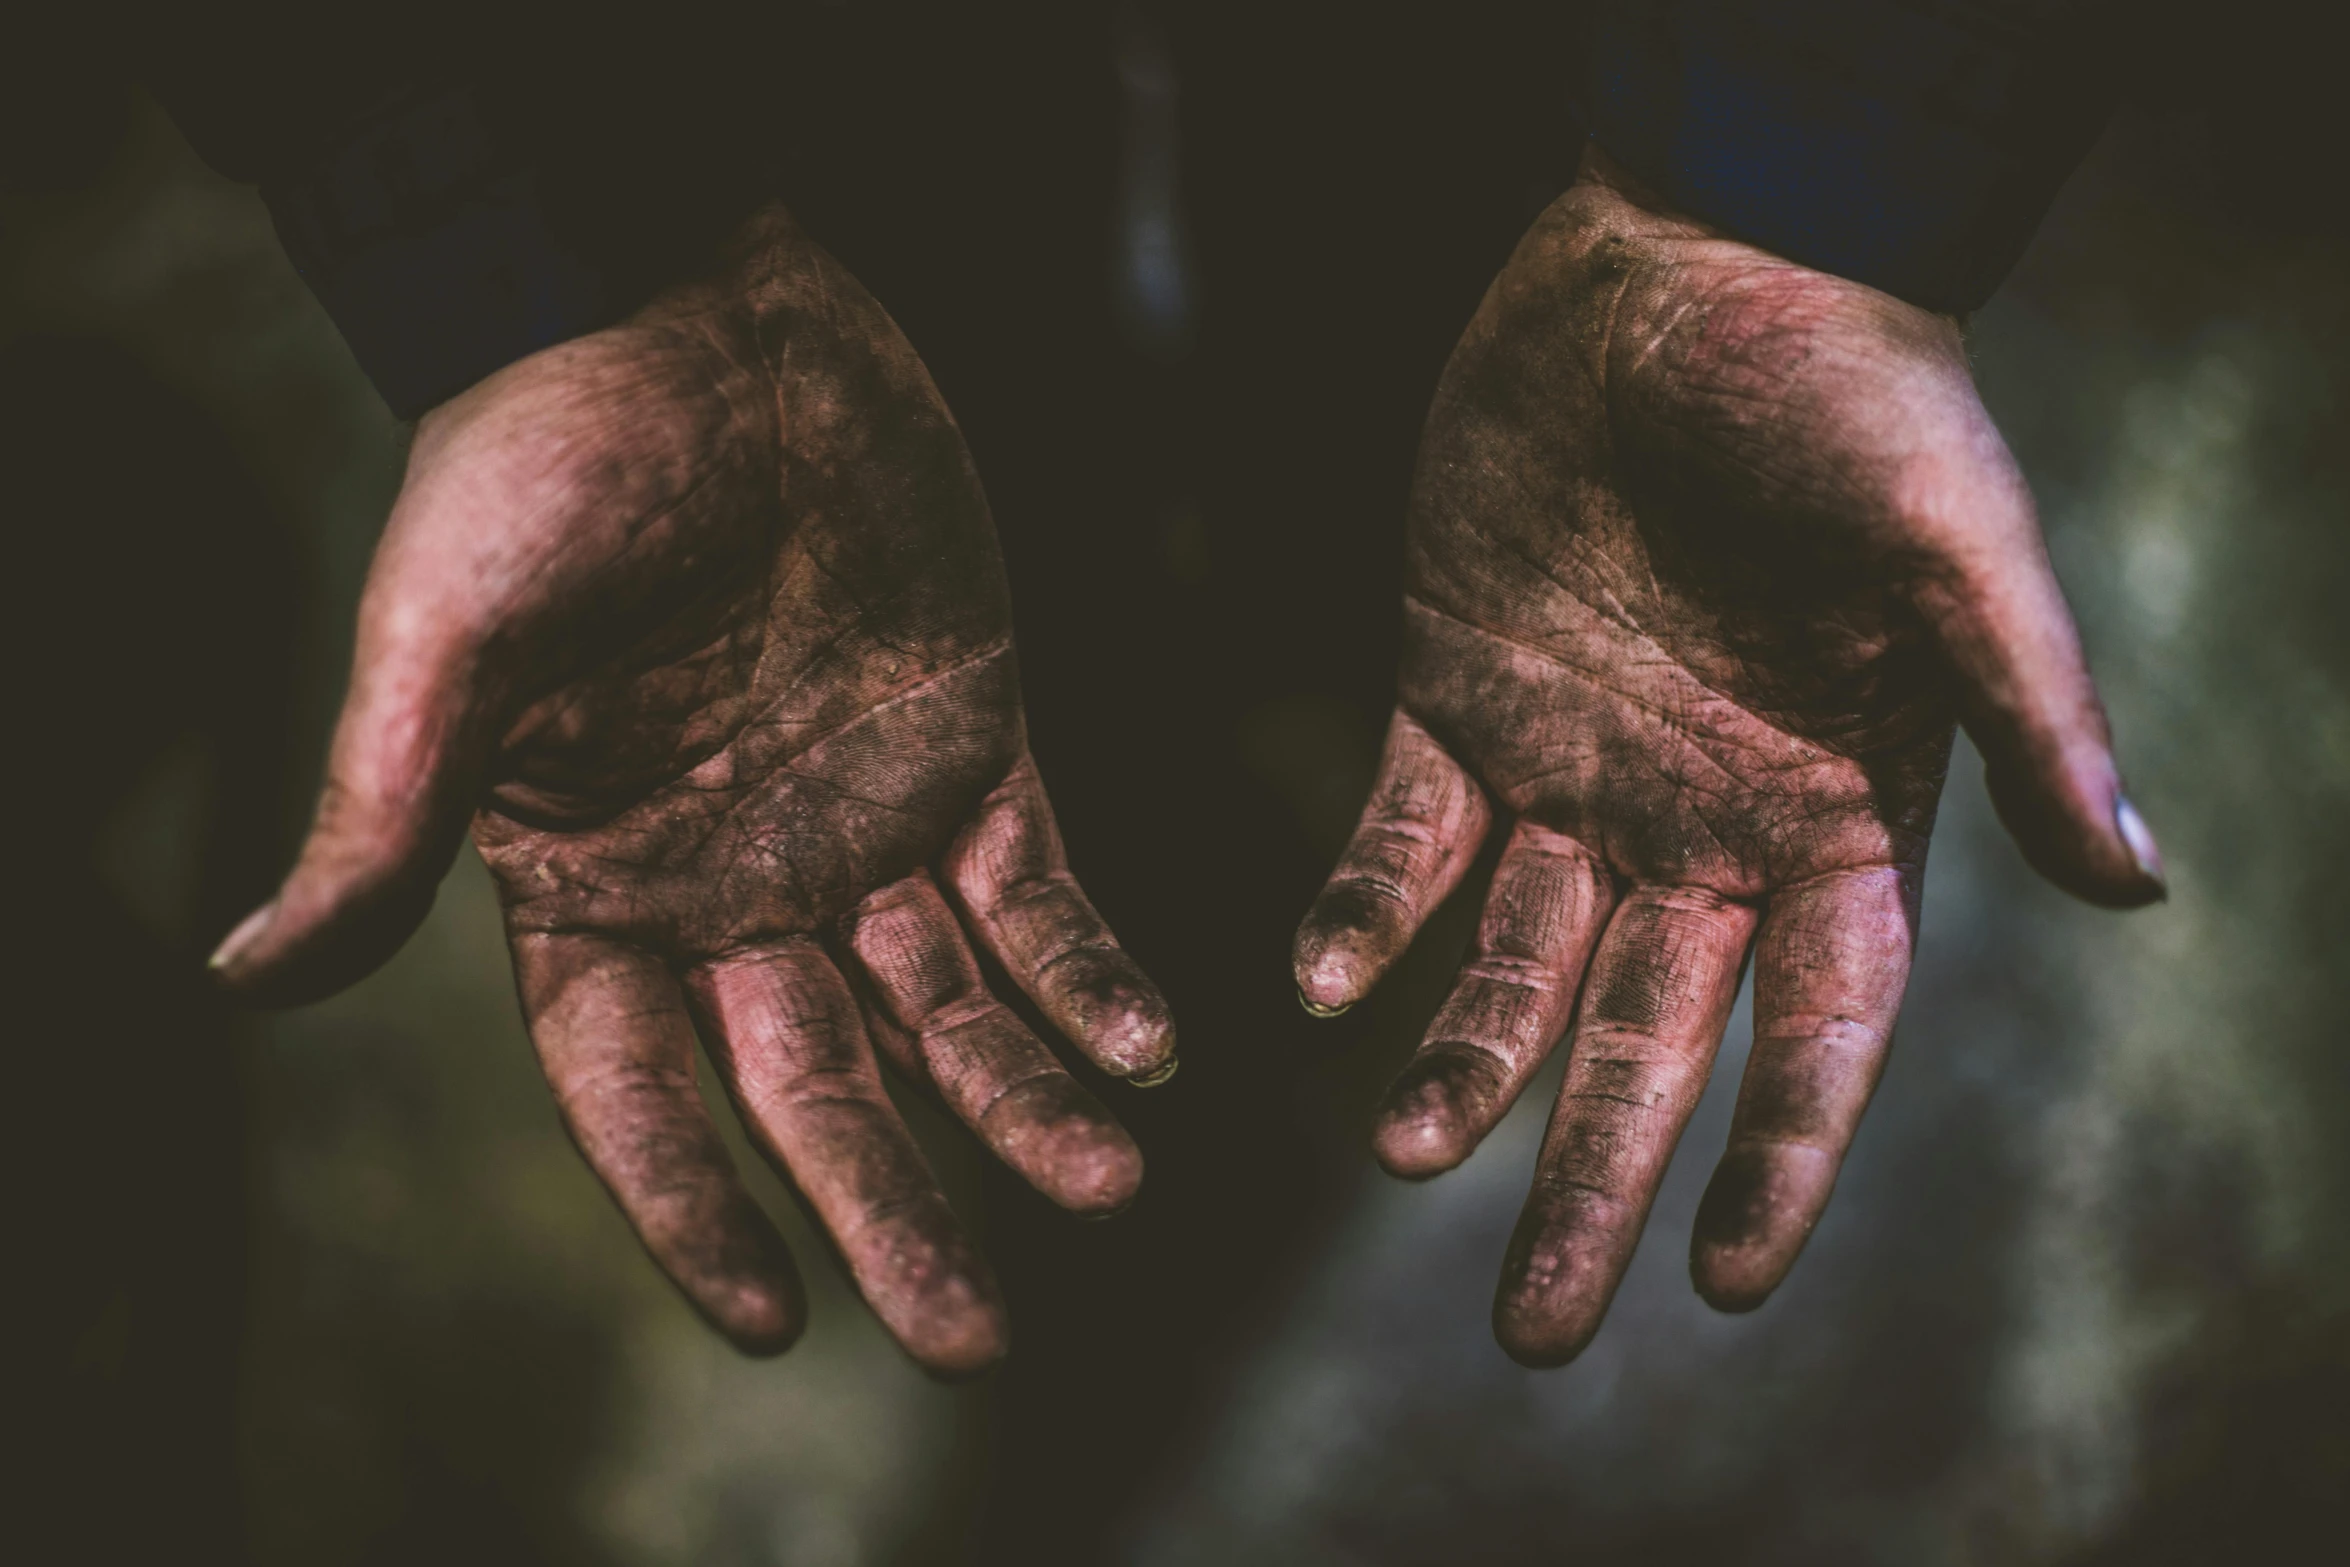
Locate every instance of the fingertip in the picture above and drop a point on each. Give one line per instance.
(722, 1252)
(1102, 1182)
(1141, 1043)
(1110, 1009)
(2091, 842)
(1554, 1290)
(1757, 1212)
(1734, 1280)
(1539, 1337)
(1107, 1007)
(1417, 1147)
(305, 945)
(762, 1319)
(1330, 978)
(1098, 1177)
(1566, 1256)
(1424, 1126)
(725, 1257)
(1342, 946)
(1739, 1252)
(964, 1345)
(1062, 1142)
(941, 1303)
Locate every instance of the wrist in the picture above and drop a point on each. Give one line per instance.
(1909, 147)
(449, 238)
(425, 234)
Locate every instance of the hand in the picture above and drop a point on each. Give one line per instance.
(1707, 553)
(701, 622)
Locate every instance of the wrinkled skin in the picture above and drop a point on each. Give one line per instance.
(700, 623)
(1708, 554)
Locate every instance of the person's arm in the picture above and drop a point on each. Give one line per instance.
(691, 612)
(1711, 546)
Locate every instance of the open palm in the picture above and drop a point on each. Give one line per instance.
(700, 622)
(1708, 554)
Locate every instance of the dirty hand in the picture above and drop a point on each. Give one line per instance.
(1708, 553)
(699, 623)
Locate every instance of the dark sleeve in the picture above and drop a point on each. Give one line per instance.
(1913, 145)
(464, 185)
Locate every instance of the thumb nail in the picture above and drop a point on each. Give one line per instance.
(242, 940)
(2140, 839)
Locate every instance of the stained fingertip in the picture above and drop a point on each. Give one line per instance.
(1098, 1181)
(959, 1340)
(1110, 1010)
(713, 1241)
(928, 1284)
(1539, 1344)
(1758, 1211)
(1428, 1122)
(1559, 1274)
(1539, 1334)
(1065, 1145)
(319, 937)
(1331, 969)
(761, 1318)
(706, 1233)
(1733, 1281)
(1415, 840)
(934, 1294)
(1134, 1036)
(722, 1251)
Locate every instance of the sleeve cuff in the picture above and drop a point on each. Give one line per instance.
(1911, 147)
(430, 243)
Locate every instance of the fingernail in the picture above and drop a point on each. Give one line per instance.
(2140, 838)
(1316, 1009)
(1156, 1075)
(241, 940)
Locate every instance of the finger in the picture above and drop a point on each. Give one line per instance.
(992, 1072)
(1654, 1004)
(1831, 962)
(402, 779)
(786, 1035)
(893, 1042)
(1011, 874)
(617, 1047)
(2001, 622)
(1515, 996)
(1418, 836)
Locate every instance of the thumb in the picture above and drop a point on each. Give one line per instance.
(2026, 698)
(409, 756)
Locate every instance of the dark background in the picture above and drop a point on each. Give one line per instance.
(330, 1287)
